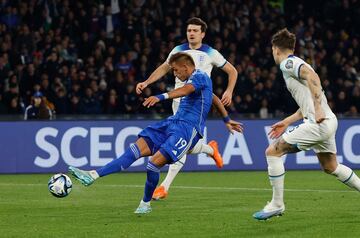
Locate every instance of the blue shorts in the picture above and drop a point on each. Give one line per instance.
(171, 137)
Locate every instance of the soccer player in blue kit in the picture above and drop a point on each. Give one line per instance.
(168, 140)
(205, 58)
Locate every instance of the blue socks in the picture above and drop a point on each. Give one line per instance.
(153, 174)
(123, 162)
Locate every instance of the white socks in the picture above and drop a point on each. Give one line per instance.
(94, 174)
(202, 148)
(172, 172)
(347, 176)
(276, 173)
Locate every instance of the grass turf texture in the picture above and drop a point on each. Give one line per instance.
(217, 204)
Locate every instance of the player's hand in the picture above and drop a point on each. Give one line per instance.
(319, 115)
(277, 129)
(150, 101)
(140, 87)
(234, 126)
(226, 98)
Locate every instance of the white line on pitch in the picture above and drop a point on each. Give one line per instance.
(202, 188)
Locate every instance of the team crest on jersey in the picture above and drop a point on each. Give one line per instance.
(289, 64)
(201, 58)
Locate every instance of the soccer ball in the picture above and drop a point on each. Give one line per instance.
(60, 185)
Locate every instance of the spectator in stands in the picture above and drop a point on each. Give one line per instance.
(83, 41)
(89, 104)
(38, 108)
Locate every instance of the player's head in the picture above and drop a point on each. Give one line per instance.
(283, 42)
(195, 30)
(182, 64)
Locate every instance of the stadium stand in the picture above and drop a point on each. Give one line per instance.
(87, 56)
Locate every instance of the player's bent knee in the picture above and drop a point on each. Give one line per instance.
(328, 162)
(329, 168)
(270, 151)
(159, 159)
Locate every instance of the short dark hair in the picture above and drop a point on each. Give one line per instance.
(284, 39)
(181, 57)
(197, 21)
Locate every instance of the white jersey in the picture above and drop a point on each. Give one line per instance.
(299, 89)
(205, 59)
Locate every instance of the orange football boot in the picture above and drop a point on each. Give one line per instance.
(217, 156)
(159, 193)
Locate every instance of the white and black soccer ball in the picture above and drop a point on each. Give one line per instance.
(60, 185)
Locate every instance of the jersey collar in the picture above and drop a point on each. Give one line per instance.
(203, 47)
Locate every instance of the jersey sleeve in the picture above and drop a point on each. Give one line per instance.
(292, 67)
(197, 81)
(217, 59)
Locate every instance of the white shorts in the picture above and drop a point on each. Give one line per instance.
(308, 135)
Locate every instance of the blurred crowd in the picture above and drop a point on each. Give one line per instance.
(86, 56)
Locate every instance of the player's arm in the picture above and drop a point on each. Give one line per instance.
(314, 85)
(232, 77)
(176, 93)
(279, 128)
(230, 124)
(155, 76)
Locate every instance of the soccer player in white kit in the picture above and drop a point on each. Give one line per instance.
(205, 58)
(317, 131)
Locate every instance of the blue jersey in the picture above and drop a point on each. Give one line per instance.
(195, 107)
(178, 134)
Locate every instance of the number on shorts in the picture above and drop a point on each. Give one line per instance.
(181, 143)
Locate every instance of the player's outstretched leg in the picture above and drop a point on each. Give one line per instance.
(276, 172)
(343, 173)
(130, 155)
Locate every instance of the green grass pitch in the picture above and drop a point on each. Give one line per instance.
(214, 204)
